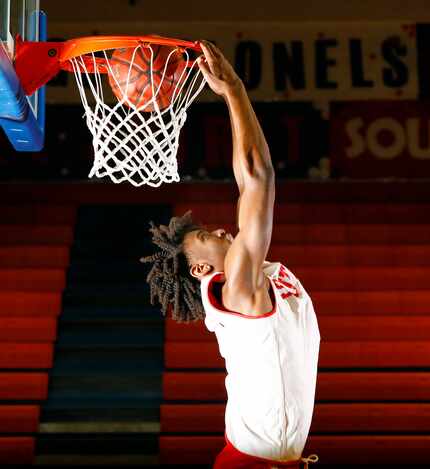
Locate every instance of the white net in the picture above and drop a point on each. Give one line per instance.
(136, 137)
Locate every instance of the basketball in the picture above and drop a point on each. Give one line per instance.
(131, 75)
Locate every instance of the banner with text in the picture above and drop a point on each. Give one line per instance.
(380, 139)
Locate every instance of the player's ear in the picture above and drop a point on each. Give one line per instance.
(200, 270)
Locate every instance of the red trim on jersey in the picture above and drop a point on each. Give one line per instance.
(216, 302)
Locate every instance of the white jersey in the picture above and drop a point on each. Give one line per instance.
(271, 363)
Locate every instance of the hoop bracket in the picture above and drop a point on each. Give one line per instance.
(36, 63)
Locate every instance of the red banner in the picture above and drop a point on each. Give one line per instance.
(377, 139)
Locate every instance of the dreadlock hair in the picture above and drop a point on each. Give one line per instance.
(169, 279)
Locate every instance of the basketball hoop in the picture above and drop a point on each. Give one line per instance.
(153, 79)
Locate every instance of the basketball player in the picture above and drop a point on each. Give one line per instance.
(262, 316)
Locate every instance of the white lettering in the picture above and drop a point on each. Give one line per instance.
(399, 138)
(413, 132)
(358, 145)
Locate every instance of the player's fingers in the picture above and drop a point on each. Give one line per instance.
(219, 61)
(211, 46)
(212, 61)
(212, 65)
(209, 60)
(204, 67)
(206, 49)
(214, 49)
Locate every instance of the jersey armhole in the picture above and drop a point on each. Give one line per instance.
(215, 299)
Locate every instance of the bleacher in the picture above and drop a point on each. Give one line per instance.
(92, 374)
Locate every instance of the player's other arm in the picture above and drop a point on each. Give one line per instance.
(254, 174)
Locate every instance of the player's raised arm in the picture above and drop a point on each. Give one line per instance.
(254, 174)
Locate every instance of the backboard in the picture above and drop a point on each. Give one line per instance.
(22, 117)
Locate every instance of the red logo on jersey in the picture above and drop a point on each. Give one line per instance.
(284, 284)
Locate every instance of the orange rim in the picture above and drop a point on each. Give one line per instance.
(85, 45)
